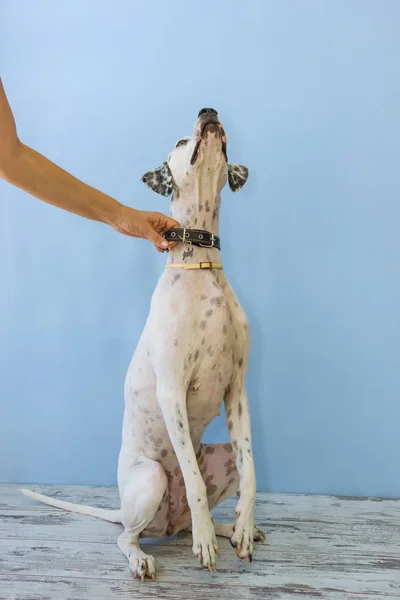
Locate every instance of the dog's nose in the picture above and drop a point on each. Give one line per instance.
(208, 111)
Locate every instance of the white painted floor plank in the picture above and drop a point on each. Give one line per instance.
(330, 509)
(318, 547)
(357, 574)
(305, 536)
(51, 588)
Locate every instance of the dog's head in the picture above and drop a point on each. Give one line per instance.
(201, 154)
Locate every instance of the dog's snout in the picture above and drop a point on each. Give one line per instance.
(208, 127)
(208, 111)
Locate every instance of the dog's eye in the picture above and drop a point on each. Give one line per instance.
(181, 143)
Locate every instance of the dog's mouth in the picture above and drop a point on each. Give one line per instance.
(209, 124)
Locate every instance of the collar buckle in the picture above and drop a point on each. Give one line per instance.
(206, 265)
(210, 244)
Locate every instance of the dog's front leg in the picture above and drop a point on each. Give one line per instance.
(238, 419)
(172, 400)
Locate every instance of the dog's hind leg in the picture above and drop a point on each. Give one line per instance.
(228, 529)
(143, 491)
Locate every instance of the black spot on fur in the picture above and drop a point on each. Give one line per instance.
(217, 301)
(177, 276)
(240, 409)
(203, 325)
(209, 313)
(240, 362)
(230, 425)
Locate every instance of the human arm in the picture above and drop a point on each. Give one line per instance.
(30, 171)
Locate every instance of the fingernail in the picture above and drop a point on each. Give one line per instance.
(164, 244)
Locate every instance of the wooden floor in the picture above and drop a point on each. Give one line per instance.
(317, 547)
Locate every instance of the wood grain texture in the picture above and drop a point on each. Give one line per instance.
(317, 547)
(49, 588)
(306, 536)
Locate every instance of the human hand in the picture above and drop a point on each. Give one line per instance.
(144, 224)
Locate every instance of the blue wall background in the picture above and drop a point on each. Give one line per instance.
(309, 93)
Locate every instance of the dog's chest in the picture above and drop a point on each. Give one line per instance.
(196, 336)
(209, 368)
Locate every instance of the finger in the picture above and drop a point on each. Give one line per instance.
(153, 236)
(170, 223)
(161, 222)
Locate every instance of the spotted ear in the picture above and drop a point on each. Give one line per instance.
(159, 180)
(237, 176)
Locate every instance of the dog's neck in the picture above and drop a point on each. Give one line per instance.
(197, 208)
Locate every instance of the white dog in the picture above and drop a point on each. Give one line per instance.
(192, 355)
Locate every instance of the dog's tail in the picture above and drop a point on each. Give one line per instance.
(113, 516)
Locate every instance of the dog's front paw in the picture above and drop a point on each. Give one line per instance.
(244, 533)
(205, 542)
(259, 535)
